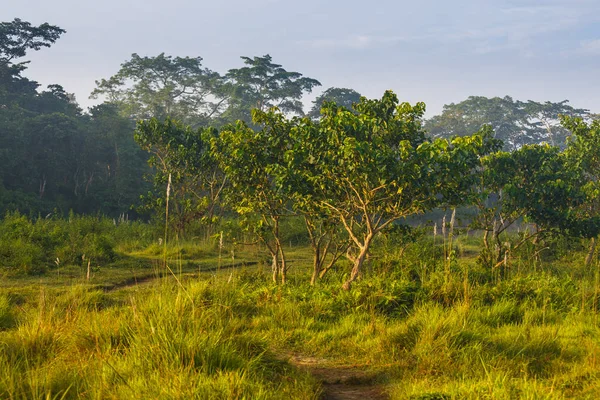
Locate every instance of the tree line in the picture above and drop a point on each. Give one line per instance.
(241, 143)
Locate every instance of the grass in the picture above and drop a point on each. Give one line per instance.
(531, 332)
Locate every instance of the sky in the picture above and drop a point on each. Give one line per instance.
(438, 52)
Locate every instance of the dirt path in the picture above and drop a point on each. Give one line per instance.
(189, 273)
(346, 382)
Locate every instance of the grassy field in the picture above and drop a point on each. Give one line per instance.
(205, 324)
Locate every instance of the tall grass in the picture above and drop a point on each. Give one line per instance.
(159, 344)
(423, 327)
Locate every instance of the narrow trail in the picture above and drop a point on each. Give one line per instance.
(146, 278)
(341, 382)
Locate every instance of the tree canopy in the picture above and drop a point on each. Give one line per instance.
(516, 123)
(262, 84)
(163, 86)
(343, 97)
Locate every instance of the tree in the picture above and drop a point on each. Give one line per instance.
(162, 87)
(184, 168)
(546, 117)
(534, 182)
(583, 152)
(262, 84)
(17, 37)
(374, 167)
(340, 96)
(252, 160)
(516, 123)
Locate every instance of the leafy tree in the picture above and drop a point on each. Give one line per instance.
(262, 84)
(375, 167)
(164, 86)
(583, 152)
(183, 167)
(327, 238)
(546, 117)
(533, 182)
(340, 96)
(516, 123)
(252, 161)
(17, 37)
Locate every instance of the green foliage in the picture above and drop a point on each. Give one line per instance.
(34, 246)
(184, 167)
(161, 87)
(370, 168)
(583, 154)
(52, 156)
(17, 37)
(516, 123)
(262, 84)
(340, 96)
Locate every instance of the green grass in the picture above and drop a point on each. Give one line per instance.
(200, 329)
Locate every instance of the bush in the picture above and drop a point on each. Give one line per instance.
(32, 246)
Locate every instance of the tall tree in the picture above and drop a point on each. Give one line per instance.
(340, 96)
(17, 37)
(545, 118)
(516, 123)
(164, 86)
(262, 84)
(52, 156)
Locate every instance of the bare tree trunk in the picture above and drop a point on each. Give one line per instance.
(283, 264)
(274, 266)
(486, 244)
(358, 262)
(592, 250)
(536, 241)
(497, 247)
(42, 186)
(316, 266)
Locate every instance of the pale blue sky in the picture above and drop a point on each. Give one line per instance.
(433, 51)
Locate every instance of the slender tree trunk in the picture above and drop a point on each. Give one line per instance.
(497, 246)
(283, 264)
(274, 266)
(316, 266)
(358, 262)
(536, 242)
(591, 251)
(486, 243)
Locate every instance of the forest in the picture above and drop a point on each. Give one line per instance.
(199, 234)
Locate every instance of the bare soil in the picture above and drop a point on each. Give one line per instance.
(341, 382)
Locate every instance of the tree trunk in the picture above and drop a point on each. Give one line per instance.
(282, 263)
(486, 244)
(274, 266)
(358, 262)
(592, 250)
(497, 246)
(316, 266)
(536, 241)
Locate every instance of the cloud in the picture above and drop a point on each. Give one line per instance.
(520, 27)
(589, 47)
(353, 42)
